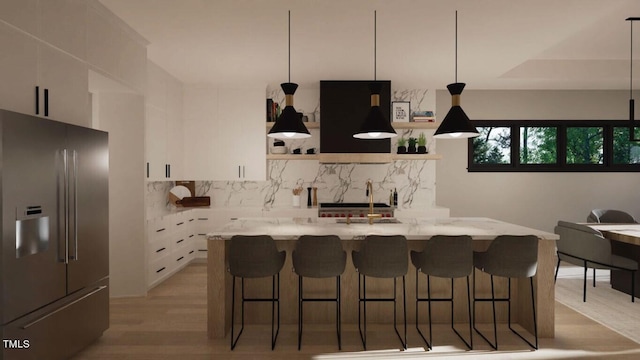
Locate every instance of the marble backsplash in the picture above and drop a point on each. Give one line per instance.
(414, 180)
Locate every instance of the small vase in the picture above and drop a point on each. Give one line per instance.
(296, 201)
(402, 149)
(412, 149)
(422, 149)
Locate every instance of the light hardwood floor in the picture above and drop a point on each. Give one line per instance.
(170, 323)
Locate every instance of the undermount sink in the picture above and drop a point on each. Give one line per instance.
(366, 221)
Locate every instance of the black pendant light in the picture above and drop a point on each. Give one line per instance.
(289, 124)
(375, 125)
(456, 124)
(632, 120)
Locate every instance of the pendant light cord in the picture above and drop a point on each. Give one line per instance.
(289, 26)
(456, 42)
(631, 65)
(375, 41)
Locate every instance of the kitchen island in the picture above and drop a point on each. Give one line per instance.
(285, 231)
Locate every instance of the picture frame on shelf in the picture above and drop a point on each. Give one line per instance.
(400, 111)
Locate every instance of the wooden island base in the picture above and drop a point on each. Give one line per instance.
(219, 293)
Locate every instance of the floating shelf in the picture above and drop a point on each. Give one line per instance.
(396, 125)
(416, 156)
(415, 125)
(292, 157)
(355, 158)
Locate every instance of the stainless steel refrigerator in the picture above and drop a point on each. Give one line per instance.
(55, 237)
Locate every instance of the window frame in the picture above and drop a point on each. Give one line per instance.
(561, 150)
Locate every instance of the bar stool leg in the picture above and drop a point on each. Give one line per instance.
(362, 300)
(493, 303)
(338, 313)
(274, 299)
(429, 307)
(535, 324)
(234, 340)
(555, 277)
(299, 311)
(584, 285)
(469, 343)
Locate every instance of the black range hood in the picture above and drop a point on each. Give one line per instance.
(344, 104)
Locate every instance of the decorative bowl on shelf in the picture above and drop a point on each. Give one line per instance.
(279, 150)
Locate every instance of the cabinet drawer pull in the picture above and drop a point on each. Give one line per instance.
(190, 220)
(202, 250)
(203, 218)
(160, 270)
(191, 252)
(160, 250)
(190, 236)
(180, 258)
(46, 102)
(180, 223)
(179, 241)
(37, 100)
(160, 230)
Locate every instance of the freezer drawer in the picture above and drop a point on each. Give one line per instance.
(61, 329)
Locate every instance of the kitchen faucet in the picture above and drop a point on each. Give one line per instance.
(371, 215)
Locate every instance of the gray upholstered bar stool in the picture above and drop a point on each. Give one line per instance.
(445, 257)
(508, 256)
(319, 256)
(255, 256)
(381, 256)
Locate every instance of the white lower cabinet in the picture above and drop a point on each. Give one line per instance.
(174, 241)
(159, 249)
(177, 239)
(202, 225)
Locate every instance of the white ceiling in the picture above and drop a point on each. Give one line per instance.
(502, 44)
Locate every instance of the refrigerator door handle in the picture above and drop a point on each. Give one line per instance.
(75, 204)
(98, 289)
(65, 160)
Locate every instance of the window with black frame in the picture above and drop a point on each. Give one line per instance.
(562, 145)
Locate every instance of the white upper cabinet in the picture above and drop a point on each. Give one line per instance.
(61, 80)
(114, 48)
(200, 132)
(66, 82)
(175, 147)
(241, 121)
(163, 126)
(21, 14)
(18, 70)
(224, 133)
(102, 39)
(63, 24)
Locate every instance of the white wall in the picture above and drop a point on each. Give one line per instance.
(536, 200)
(122, 115)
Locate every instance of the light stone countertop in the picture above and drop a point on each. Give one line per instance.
(413, 229)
